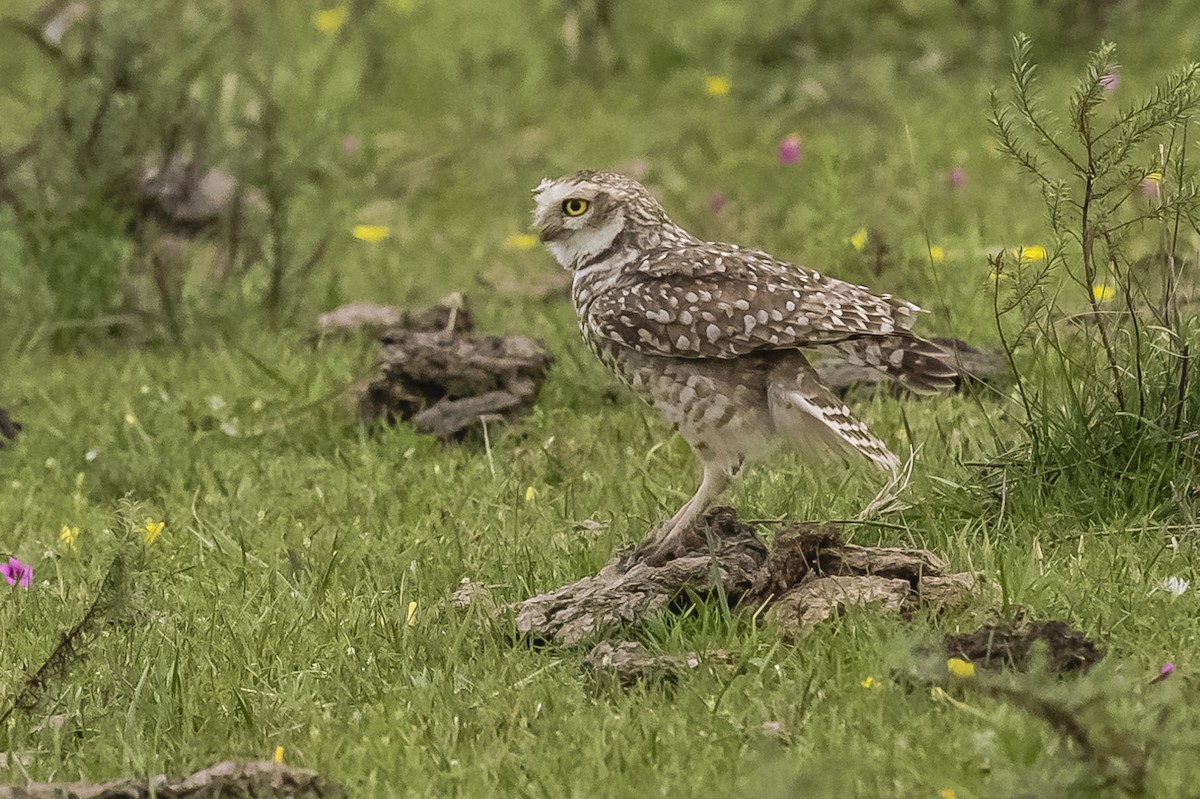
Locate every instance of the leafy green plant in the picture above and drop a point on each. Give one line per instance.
(1093, 326)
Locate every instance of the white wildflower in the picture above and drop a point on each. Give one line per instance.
(1175, 586)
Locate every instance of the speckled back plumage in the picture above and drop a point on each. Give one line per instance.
(712, 334)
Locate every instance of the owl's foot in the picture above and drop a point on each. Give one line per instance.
(666, 542)
(657, 555)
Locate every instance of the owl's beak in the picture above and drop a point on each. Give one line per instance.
(551, 232)
(543, 221)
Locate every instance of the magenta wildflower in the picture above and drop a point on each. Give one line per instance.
(350, 145)
(789, 149)
(716, 201)
(17, 573)
(1110, 81)
(1166, 671)
(956, 178)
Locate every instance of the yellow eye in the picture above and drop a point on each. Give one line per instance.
(574, 206)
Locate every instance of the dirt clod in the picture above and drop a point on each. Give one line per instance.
(9, 428)
(436, 372)
(1020, 642)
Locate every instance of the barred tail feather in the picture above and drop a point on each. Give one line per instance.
(820, 423)
(914, 362)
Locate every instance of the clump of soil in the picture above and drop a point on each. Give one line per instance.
(444, 378)
(9, 428)
(1023, 642)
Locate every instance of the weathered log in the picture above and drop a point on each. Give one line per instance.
(628, 590)
(625, 664)
(809, 576)
(821, 598)
(257, 779)
(452, 313)
(358, 316)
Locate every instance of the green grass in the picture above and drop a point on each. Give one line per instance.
(272, 610)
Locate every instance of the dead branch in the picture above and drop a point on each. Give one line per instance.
(808, 576)
(260, 779)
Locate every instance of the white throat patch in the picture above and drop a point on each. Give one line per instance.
(580, 245)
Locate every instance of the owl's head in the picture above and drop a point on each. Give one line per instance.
(578, 217)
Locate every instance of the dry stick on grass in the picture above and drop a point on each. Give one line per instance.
(71, 648)
(1116, 759)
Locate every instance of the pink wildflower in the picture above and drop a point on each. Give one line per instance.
(789, 149)
(1166, 671)
(956, 178)
(350, 145)
(1110, 81)
(1152, 185)
(17, 573)
(716, 201)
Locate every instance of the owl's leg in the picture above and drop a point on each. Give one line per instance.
(669, 538)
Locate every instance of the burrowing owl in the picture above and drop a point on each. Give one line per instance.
(712, 334)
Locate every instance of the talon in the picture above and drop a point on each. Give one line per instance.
(662, 555)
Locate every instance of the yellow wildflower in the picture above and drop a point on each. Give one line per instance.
(330, 20)
(68, 535)
(1028, 255)
(937, 253)
(151, 530)
(411, 619)
(947, 793)
(1102, 292)
(278, 756)
(716, 85)
(1153, 177)
(372, 234)
(530, 494)
(130, 419)
(859, 239)
(520, 241)
(996, 276)
(869, 682)
(960, 668)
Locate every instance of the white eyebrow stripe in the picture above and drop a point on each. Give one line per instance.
(554, 193)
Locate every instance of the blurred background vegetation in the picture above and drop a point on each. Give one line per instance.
(435, 119)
